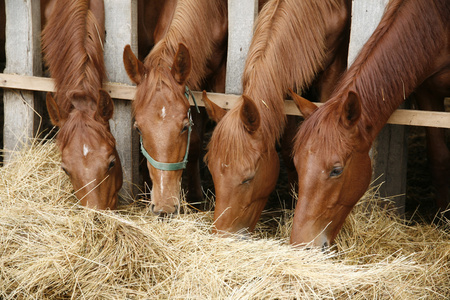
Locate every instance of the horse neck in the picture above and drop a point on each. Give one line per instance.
(395, 60)
(196, 24)
(73, 50)
(286, 52)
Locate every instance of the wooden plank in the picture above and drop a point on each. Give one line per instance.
(420, 118)
(241, 17)
(121, 29)
(126, 92)
(21, 82)
(44, 84)
(23, 56)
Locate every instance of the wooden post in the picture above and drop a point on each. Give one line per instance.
(121, 29)
(365, 18)
(241, 18)
(389, 151)
(23, 56)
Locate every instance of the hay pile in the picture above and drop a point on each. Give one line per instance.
(50, 248)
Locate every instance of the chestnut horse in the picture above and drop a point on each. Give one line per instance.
(190, 55)
(73, 51)
(293, 42)
(409, 51)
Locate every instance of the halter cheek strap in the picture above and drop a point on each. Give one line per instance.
(182, 164)
(187, 93)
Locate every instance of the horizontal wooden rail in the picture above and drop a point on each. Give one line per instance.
(123, 91)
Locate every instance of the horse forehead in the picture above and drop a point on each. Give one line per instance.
(232, 164)
(158, 88)
(161, 117)
(86, 147)
(315, 155)
(86, 143)
(161, 105)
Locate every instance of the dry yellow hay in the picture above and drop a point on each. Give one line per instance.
(50, 248)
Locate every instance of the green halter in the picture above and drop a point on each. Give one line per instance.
(182, 164)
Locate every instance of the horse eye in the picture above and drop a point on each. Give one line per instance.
(337, 171)
(185, 127)
(65, 170)
(112, 163)
(137, 128)
(247, 180)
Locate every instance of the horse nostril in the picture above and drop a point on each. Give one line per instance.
(152, 209)
(325, 247)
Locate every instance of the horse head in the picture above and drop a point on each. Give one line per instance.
(88, 153)
(334, 169)
(243, 165)
(163, 120)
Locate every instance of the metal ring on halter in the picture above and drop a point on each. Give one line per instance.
(178, 165)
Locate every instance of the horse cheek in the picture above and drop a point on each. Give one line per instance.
(359, 179)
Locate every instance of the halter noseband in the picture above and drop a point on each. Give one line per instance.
(182, 164)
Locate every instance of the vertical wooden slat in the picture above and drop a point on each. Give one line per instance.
(23, 56)
(389, 151)
(121, 29)
(241, 17)
(365, 18)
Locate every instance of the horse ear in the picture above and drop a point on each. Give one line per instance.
(351, 110)
(215, 112)
(105, 105)
(305, 106)
(250, 115)
(134, 67)
(181, 67)
(53, 110)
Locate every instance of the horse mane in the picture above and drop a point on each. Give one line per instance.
(231, 140)
(85, 125)
(188, 27)
(284, 30)
(287, 50)
(72, 42)
(394, 61)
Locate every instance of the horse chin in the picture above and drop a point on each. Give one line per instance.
(241, 235)
(165, 209)
(321, 241)
(101, 205)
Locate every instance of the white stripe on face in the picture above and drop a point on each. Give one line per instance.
(85, 150)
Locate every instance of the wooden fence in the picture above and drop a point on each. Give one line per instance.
(24, 72)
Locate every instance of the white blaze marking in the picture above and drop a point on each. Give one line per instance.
(85, 150)
(163, 112)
